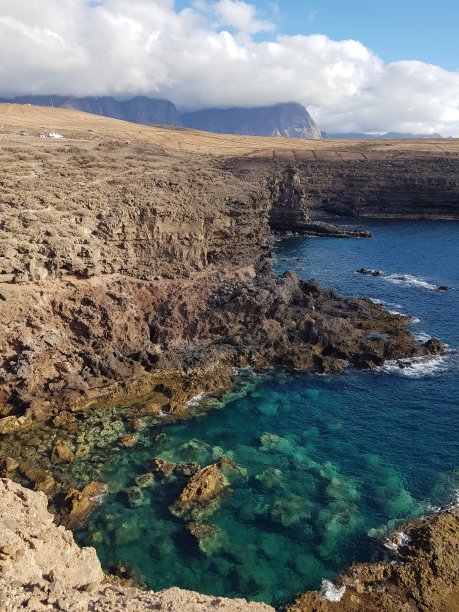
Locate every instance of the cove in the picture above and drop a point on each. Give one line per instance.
(327, 464)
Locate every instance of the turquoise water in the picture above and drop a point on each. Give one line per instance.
(327, 463)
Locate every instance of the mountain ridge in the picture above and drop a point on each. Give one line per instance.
(290, 120)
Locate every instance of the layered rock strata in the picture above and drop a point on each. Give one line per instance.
(355, 183)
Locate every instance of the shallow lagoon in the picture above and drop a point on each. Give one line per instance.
(327, 463)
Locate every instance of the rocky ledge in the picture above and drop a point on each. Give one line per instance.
(74, 343)
(327, 230)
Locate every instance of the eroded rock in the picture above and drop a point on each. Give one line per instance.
(201, 496)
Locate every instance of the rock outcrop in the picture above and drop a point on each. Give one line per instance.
(355, 183)
(289, 120)
(41, 568)
(200, 496)
(423, 576)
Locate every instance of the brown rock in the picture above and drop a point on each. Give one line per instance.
(62, 454)
(162, 467)
(8, 465)
(78, 505)
(128, 441)
(44, 482)
(200, 496)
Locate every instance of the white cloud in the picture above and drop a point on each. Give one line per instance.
(242, 16)
(129, 47)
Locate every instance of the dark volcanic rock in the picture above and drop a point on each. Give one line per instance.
(290, 120)
(355, 183)
(370, 272)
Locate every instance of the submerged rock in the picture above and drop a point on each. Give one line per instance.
(7, 466)
(290, 511)
(201, 495)
(145, 480)
(271, 478)
(62, 454)
(210, 538)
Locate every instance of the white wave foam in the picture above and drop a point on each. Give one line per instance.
(398, 540)
(422, 337)
(410, 280)
(384, 303)
(331, 592)
(414, 320)
(417, 367)
(196, 400)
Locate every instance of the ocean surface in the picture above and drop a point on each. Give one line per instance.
(328, 464)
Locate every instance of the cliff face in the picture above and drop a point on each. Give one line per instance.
(393, 186)
(122, 263)
(115, 208)
(290, 120)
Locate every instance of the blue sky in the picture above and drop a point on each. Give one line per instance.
(394, 29)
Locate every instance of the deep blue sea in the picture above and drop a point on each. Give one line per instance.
(327, 463)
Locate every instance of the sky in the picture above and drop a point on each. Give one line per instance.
(357, 65)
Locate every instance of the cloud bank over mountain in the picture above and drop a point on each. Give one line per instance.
(211, 55)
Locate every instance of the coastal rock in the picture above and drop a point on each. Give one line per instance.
(162, 467)
(201, 495)
(31, 550)
(370, 272)
(62, 454)
(425, 576)
(8, 465)
(78, 505)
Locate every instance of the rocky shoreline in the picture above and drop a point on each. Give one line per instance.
(423, 574)
(135, 276)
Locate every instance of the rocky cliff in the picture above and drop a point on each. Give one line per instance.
(372, 185)
(135, 273)
(289, 120)
(122, 263)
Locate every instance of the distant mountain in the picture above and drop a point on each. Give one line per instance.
(138, 110)
(291, 120)
(387, 136)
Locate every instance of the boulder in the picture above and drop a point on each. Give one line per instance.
(61, 453)
(201, 494)
(78, 505)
